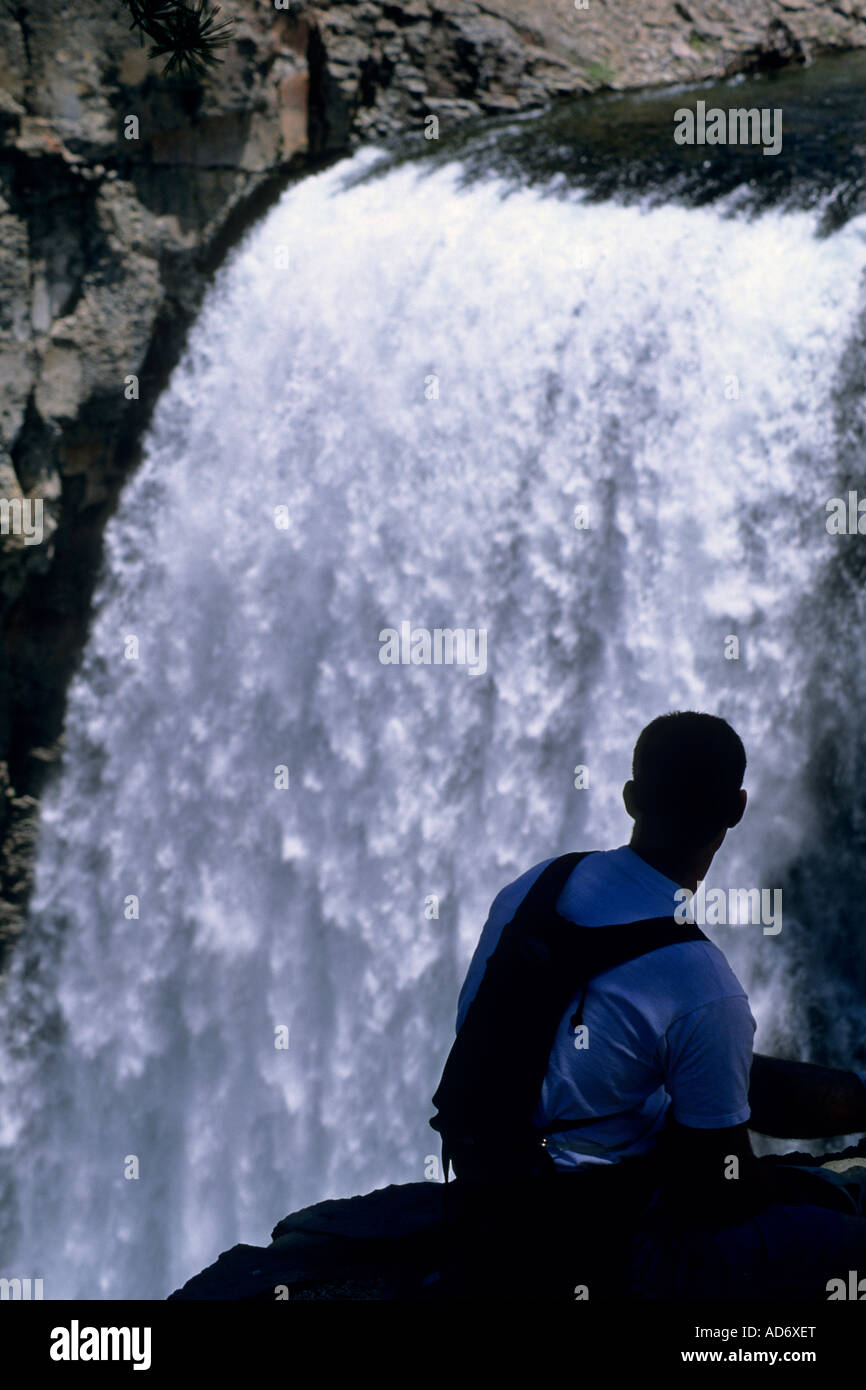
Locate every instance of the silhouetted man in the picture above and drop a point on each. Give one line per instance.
(650, 1085)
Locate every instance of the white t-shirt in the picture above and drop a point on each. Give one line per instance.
(671, 1028)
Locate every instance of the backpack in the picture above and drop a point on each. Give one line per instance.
(492, 1080)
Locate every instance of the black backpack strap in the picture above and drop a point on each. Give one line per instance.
(601, 948)
(540, 902)
(538, 905)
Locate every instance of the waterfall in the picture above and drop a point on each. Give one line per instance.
(428, 378)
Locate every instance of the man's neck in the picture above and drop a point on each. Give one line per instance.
(686, 868)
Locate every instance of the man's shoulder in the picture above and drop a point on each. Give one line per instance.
(615, 887)
(595, 862)
(516, 889)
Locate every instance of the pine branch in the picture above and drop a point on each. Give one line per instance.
(188, 33)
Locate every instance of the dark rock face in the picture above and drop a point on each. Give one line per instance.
(120, 192)
(379, 1246)
(394, 1244)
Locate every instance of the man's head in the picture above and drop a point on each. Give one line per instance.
(687, 773)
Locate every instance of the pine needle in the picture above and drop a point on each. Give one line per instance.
(188, 34)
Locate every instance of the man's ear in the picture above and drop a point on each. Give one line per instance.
(628, 799)
(739, 815)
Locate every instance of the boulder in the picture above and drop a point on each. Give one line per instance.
(378, 1246)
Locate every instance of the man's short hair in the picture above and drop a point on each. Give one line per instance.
(687, 772)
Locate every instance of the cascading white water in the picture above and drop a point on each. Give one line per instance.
(584, 356)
